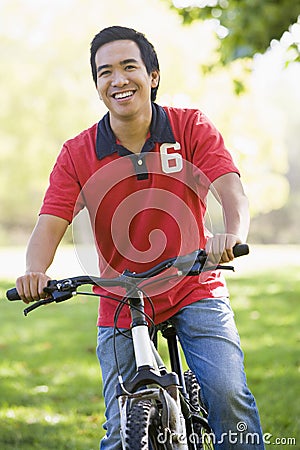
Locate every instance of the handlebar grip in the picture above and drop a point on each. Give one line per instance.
(240, 250)
(12, 294)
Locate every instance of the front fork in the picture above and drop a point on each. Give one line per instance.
(142, 344)
(151, 371)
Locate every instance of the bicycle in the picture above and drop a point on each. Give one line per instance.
(159, 410)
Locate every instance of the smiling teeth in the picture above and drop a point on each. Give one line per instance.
(124, 94)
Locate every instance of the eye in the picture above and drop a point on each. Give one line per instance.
(130, 67)
(104, 73)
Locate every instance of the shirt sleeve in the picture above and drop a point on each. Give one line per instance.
(63, 197)
(210, 155)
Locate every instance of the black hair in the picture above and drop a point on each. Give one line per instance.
(114, 33)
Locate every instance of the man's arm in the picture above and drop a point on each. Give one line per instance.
(229, 191)
(41, 249)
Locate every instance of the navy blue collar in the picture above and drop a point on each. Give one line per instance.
(160, 131)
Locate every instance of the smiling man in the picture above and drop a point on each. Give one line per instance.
(143, 173)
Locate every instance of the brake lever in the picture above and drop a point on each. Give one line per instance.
(58, 292)
(198, 268)
(36, 305)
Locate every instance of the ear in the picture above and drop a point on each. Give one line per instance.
(155, 78)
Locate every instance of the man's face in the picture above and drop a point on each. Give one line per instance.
(122, 79)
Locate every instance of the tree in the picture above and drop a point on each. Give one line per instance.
(245, 27)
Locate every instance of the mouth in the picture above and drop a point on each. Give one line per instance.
(125, 95)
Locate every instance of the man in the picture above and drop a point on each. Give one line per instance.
(143, 173)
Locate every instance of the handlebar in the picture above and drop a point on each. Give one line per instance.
(187, 265)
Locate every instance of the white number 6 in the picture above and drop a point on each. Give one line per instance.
(170, 162)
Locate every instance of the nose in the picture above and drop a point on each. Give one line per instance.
(119, 79)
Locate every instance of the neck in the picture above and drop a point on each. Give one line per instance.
(132, 132)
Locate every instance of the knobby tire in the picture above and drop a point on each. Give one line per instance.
(142, 427)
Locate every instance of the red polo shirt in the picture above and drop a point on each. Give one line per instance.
(144, 208)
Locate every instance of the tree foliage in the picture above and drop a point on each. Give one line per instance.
(245, 27)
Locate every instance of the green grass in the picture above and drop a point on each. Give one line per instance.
(267, 311)
(50, 387)
(50, 390)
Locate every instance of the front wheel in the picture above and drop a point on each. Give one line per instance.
(143, 430)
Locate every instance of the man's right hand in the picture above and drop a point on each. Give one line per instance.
(30, 286)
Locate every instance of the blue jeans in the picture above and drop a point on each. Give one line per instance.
(211, 344)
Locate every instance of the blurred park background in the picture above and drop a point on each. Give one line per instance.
(47, 93)
(238, 61)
